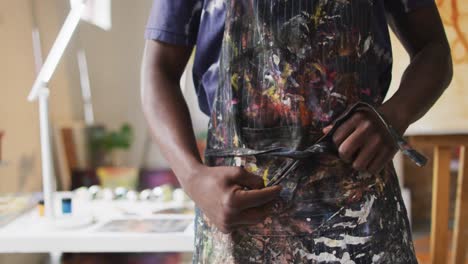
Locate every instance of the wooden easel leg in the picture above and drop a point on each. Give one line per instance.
(440, 205)
(460, 237)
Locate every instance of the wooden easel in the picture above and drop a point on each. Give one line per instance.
(443, 145)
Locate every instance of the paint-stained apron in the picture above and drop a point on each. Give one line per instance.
(288, 68)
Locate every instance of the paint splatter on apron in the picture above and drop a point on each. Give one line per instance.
(288, 69)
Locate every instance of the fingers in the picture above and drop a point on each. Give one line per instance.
(363, 141)
(380, 160)
(346, 129)
(348, 150)
(242, 199)
(367, 154)
(254, 196)
(238, 205)
(238, 212)
(327, 129)
(247, 179)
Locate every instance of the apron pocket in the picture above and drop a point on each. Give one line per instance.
(315, 197)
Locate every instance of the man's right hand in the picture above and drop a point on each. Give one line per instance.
(228, 196)
(231, 196)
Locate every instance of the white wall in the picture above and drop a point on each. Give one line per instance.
(18, 117)
(114, 59)
(114, 67)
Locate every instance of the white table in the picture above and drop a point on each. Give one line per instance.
(30, 233)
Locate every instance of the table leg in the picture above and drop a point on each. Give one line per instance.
(440, 204)
(461, 210)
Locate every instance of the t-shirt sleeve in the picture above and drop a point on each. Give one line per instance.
(174, 21)
(406, 6)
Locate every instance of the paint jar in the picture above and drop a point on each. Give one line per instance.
(66, 206)
(41, 208)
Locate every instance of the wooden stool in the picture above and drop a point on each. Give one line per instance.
(443, 145)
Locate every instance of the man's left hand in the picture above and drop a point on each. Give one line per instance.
(364, 142)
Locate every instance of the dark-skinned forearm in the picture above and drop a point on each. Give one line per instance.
(169, 120)
(430, 70)
(427, 76)
(240, 197)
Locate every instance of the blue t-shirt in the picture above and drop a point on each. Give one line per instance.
(201, 23)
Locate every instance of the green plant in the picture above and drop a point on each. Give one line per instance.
(107, 141)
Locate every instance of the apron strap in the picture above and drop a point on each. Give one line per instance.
(325, 144)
